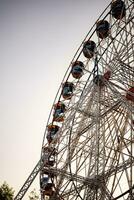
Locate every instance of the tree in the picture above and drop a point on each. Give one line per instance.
(33, 195)
(6, 192)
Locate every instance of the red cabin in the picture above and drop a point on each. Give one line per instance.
(48, 191)
(130, 94)
(107, 75)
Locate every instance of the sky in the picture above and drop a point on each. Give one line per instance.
(38, 39)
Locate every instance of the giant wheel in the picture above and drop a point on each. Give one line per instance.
(88, 145)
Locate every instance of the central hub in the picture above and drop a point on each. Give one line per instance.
(95, 182)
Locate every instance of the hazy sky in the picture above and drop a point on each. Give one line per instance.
(38, 39)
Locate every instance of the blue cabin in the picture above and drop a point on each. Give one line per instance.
(67, 90)
(77, 69)
(102, 29)
(59, 110)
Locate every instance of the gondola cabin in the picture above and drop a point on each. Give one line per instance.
(130, 94)
(89, 49)
(118, 9)
(51, 160)
(46, 179)
(59, 110)
(67, 90)
(52, 131)
(47, 184)
(48, 156)
(102, 29)
(107, 75)
(77, 69)
(48, 191)
(44, 182)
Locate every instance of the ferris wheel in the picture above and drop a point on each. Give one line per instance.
(88, 145)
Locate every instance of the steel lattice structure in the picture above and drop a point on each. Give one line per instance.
(88, 145)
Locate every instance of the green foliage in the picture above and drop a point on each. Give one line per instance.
(6, 192)
(33, 195)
